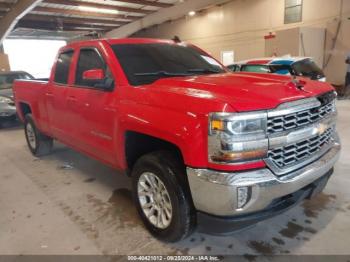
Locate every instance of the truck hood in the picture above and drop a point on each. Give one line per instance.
(242, 91)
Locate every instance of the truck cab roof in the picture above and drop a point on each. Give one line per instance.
(113, 41)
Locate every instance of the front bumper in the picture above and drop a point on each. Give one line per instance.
(215, 193)
(226, 225)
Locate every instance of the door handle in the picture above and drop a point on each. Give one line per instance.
(49, 94)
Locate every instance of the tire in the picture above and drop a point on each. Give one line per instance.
(38, 143)
(164, 170)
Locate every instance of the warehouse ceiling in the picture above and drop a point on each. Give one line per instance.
(69, 19)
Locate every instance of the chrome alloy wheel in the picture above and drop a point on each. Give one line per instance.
(154, 200)
(31, 135)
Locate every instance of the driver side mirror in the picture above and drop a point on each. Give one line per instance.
(97, 78)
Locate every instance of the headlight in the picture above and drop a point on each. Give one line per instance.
(5, 100)
(237, 137)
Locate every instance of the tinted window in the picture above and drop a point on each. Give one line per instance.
(62, 67)
(25, 76)
(146, 63)
(88, 59)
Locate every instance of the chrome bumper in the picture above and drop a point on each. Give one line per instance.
(215, 192)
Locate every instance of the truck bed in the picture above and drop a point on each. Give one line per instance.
(30, 92)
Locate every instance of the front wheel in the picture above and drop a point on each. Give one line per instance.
(161, 198)
(38, 143)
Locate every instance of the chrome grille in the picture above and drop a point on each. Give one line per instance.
(299, 119)
(284, 157)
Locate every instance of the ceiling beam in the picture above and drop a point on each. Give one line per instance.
(99, 5)
(145, 2)
(18, 10)
(55, 27)
(56, 24)
(83, 13)
(73, 20)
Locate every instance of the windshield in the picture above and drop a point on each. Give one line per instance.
(234, 68)
(146, 63)
(281, 69)
(255, 68)
(6, 80)
(308, 68)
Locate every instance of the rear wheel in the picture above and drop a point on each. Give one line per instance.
(161, 198)
(38, 143)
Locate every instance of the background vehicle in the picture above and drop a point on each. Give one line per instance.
(203, 147)
(234, 67)
(7, 105)
(257, 68)
(298, 66)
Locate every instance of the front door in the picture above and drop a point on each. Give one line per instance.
(94, 108)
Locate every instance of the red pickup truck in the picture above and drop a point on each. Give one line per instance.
(205, 148)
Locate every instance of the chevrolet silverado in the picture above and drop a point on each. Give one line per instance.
(205, 148)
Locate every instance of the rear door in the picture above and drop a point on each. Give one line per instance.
(56, 98)
(94, 108)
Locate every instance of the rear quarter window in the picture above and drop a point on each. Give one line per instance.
(62, 67)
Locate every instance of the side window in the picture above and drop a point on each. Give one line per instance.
(88, 59)
(62, 67)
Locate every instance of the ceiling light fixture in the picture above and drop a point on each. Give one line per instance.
(97, 10)
(191, 13)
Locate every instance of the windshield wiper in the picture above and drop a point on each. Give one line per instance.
(161, 73)
(204, 71)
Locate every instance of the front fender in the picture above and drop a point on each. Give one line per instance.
(186, 130)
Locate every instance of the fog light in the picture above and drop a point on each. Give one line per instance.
(243, 196)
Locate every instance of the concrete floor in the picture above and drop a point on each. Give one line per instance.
(66, 203)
